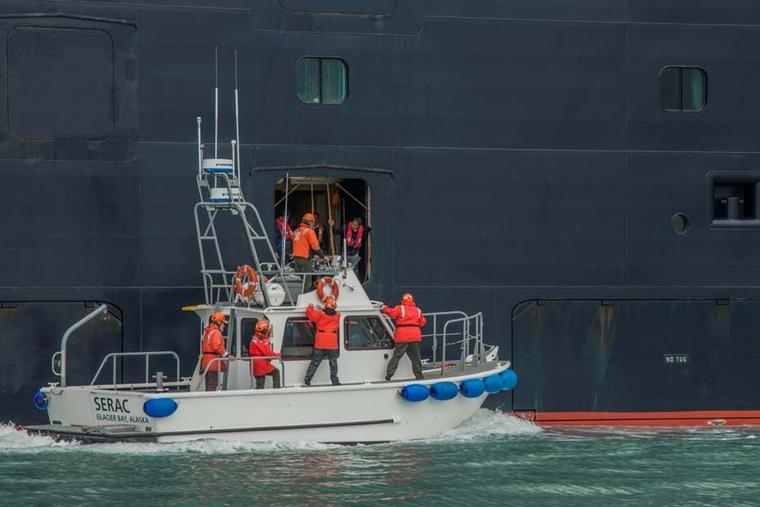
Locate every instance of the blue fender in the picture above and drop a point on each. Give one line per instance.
(160, 407)
(40, 401)
(472, 388)
(509, 379)
(414, 392)
(443, 391)
(493, 383)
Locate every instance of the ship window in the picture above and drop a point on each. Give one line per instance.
(321, 80)
(298, 338)
(683, 89)
(60, 83)
(734, 200)
(366, 333)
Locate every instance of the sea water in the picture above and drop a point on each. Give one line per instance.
(492, 459)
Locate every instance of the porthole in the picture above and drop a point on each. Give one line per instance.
(679, 223)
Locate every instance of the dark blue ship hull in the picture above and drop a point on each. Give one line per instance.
(517, 154)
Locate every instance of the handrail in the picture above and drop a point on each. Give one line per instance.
(102, 309)
(472, 330)
(249, 359)
(147, 355)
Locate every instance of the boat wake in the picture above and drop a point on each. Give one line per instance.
(15, 440)
(485, 424)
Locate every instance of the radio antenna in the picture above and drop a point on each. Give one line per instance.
(216, 100)
(237, 116)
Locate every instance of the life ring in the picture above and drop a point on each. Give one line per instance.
(245, 272)
(334, 289)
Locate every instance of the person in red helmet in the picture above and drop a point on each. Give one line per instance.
(326, 339)
(212, 347)
(260, 346)
(304, 241)
(408, 335)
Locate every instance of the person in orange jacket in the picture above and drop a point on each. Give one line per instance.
(408, 335)
(304, 241)
(260, 346)
(326, 339)
(212, 347)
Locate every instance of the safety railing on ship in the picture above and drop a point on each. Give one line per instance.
(246, 359)
(456, 328)
(113, 355)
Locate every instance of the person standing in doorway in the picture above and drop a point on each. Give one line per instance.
(326, 339)
(304, 242)
(282, 234)
(212, 347)
(408, 335)
(260, 346)
(354, 238)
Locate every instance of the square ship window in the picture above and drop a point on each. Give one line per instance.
(321, 80)
(683, 89)
(60, 83)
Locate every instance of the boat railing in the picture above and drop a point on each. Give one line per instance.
(246, 359)
(147, 355)
(456, 328)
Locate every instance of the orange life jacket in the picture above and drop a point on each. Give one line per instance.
(327, 328)
(262, 347)
(304, 239)
(409, 322)
(212, 347)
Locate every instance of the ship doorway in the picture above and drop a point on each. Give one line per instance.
(336, 201)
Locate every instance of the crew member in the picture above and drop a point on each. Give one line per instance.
(326, 339)
(260, 346)
(408, 335)
(282, 234)
(304, 241)
(354, 235)
(212, 347)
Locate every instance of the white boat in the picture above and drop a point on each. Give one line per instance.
(363, 408)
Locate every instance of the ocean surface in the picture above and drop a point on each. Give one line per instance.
(492, 459)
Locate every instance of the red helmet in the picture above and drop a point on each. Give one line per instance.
(330, 302)
(262, 326)
(407, 298)
(219, 317)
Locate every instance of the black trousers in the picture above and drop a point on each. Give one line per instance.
(261, 379)
(411, 349)
(316, 358)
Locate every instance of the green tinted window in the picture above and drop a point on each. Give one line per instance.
(683, 89)
(321, 80)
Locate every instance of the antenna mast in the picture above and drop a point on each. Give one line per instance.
(237, 116)
(216, 101)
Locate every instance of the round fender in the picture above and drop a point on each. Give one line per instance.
(472, 388)
(40, 401)
(414, 392)
(443, 391)
(160, 407)
(493, 383)
(509, 379)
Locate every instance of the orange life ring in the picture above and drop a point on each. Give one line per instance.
(247, 288)
(334, 289)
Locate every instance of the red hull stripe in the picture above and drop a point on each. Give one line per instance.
(682, 418)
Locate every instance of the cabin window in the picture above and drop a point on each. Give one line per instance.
(734, 200)
(683, 89)
(298, 338)
(321, 80)
(365, 333)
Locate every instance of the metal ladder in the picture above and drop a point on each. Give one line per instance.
(220, 192)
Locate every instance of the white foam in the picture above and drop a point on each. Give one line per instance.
(14, 440)
(487, 423)
(208, 446)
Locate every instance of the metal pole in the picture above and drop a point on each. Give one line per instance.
(237, 117)
(329, 219)
(102, 309)
(200, 154)
(284, 231)
(216, 100)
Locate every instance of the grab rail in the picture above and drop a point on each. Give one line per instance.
(249, 359)
(102, 309)
(114, 355)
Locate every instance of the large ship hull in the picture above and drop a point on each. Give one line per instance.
(517, 157)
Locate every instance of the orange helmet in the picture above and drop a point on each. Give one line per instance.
(308, 217)
(219, 317)
(407, 298)
(262, 326)
(330, 302)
